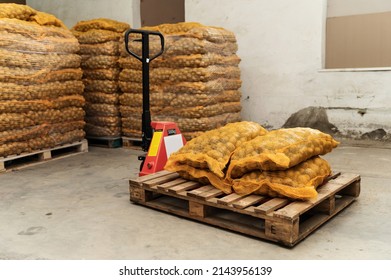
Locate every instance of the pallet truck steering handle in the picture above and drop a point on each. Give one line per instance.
(145, 40)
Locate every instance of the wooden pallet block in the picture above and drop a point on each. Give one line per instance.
(131, 143)
(16, 162)
(278, 220)
(105, 142)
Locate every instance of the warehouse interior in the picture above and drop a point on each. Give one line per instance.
(316, 64)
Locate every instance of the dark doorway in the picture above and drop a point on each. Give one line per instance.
(155, 12)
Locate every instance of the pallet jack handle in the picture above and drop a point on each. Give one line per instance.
(145, 58)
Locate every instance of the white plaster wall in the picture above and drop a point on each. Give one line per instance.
(281, 43)
(338, 8)
(72, 11)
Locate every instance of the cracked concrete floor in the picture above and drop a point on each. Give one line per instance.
(78, 208)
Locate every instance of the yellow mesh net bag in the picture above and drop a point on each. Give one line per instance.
(101, 23)
(279, 149)
(299, 182)
(211, 151)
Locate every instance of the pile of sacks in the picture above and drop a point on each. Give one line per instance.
(244, 158)
(194, 83)
(100, 43)
(41, 102)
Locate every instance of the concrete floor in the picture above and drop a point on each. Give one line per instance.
(78, 208)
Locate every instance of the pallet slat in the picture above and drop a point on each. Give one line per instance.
(278, 220)
(248, 201)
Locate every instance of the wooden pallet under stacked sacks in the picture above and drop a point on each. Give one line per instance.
(275, 219)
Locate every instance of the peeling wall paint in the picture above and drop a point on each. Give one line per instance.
(281, 44)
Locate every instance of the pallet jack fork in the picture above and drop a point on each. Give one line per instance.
(159, 139)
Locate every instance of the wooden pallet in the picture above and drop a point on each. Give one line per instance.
(105, 142)
(274, 219)
(16, 162)
(131, 143)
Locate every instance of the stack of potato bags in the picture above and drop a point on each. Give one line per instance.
(194, 83)
(279, 163)
(99, 49)
(40, 82)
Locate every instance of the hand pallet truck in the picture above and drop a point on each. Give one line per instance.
(159, 139)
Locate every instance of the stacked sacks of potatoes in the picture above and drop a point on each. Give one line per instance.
(279, 163)
(41, 102)
(194, 83)
(99, 49)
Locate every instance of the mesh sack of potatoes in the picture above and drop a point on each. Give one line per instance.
(211, 151)
(66, 126)
(107, 86)
(203, 124)
(101, 24)
(15, 42)
(99, 61)
(26, 76)
(23, 106)
(159, 75)
(96, 36)
(160, 99)
(14, 148)
(107, 48)
(41, 105)
(188, 46)
(101, 74)
(193, 100)
(192, 60)
(45, 19)
(137, 87)
(101, 97)
(67, 137)
(185, 124)
(38, 60)
(23, 134)
(279, 149)
(202, 111)
(103, 121)
(16, 11)
(100, 131)
(11, 91)
(298, 182)
(195, 30)
(101, 110)
(215, 86)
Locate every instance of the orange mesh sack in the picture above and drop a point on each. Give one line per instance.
(279, 149)
(208, 155)
(299, 182)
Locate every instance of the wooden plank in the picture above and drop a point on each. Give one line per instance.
(171, 184)
(139, 180)
(295, 209)
(197, 192)
(346, 179)
(271, 205)
(184, 187)
(209, 194)
(161, 180)
(248, 201)
(228, 199)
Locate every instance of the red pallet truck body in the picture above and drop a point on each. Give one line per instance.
(159, 138)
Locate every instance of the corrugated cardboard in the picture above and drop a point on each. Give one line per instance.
(359, 41)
